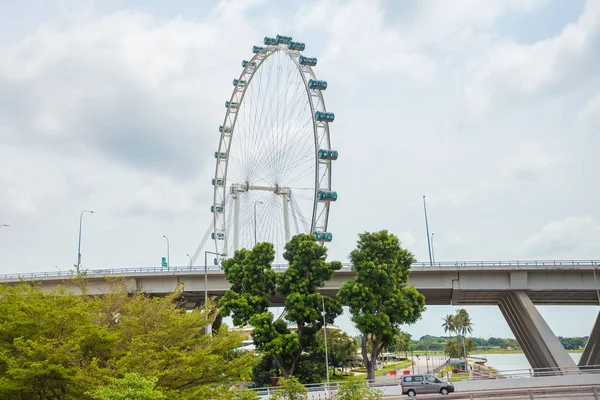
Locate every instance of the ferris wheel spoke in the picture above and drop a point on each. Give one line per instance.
(297, 144)
(286, 150)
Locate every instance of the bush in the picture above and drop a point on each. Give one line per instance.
(357, 389)
(291, 389)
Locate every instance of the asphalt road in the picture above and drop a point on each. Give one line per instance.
(554, 393)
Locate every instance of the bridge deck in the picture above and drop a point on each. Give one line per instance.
(459, 283)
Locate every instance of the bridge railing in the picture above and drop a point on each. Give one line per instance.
(279, 267)
(395, 380)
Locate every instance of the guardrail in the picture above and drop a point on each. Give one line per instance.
(345, 266)
(396, 380)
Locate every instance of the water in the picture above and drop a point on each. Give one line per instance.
(511, 362)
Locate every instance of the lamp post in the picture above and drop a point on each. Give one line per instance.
(432, 248)
(325, 337)
(4, 225)
(168, 251)
(595, 280)
(427, 229)
(255, 203)
(187, 254)
(206, 253)
(79, 243)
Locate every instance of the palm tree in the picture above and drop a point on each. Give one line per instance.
(449, 324)
(463, 326)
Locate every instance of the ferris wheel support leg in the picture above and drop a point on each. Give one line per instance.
(294, 215)
(236, 222)
(286, 216)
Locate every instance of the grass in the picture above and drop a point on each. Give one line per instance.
(392, 367)
(458, 377)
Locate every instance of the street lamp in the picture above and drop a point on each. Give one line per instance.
(595, 280)
(79, 243)
(432, 248)
(255, 203)
(4, 225)
(168, 251)
(206, 253)
(325, 337)
(187, 254)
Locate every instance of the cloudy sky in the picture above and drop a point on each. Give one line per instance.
(491, 109)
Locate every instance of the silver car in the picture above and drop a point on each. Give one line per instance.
(423, 384)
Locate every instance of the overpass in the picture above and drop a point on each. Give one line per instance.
(514, 286)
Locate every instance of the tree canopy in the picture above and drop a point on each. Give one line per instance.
(253, 281)
(59, 345)
(461, 324)
(378, 296)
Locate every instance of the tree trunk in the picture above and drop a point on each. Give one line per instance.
(367, 363)
(281, 367)
(217, 324)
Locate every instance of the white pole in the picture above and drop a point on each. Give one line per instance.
(294, 215)
(286, 216)
(325, 337)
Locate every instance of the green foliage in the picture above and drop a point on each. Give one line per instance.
(290, 389)
(573, 343)
(378, 297)
(454, 348)
(60, 345)
(461, 324)
(263, 371)
(131, 387)
(340, 347)
(253, 282)
(222, 393)
(400, 342)
(357, 389)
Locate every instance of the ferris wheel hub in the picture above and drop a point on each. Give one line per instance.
(237, 188)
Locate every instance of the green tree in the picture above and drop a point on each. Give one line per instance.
(59, 345)
(291, 389)
(378, 297)
(449, 324)
(400, 342)
(131, 387)
(463, 325)
(357, 389)
(253, 282)
(454, 348)
(340, 347)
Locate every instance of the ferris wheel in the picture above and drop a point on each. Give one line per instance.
(273, 164)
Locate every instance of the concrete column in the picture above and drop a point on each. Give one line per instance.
(591, 353)
(541, 347)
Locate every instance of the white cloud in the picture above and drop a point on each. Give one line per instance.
(578, 235)
(508, 68)
(531, 161)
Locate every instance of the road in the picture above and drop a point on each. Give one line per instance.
(424, 364)
(583, 392)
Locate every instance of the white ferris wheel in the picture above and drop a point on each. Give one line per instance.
(273, 164)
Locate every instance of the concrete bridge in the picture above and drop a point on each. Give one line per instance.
(514, 286)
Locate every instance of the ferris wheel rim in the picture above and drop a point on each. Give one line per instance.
(249, 71)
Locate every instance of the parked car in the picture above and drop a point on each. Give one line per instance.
(423, 384)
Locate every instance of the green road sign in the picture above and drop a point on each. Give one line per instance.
(164, 261)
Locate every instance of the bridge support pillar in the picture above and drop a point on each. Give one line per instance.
(541, 347)
(591, 353)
